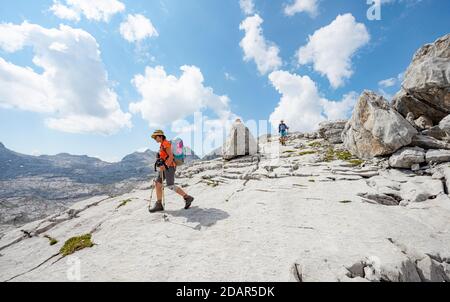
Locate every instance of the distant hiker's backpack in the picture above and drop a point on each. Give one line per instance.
(178, 150)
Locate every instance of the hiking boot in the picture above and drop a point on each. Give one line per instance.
(188, 201)
(157, 208)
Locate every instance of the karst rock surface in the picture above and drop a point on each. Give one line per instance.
(306, 211)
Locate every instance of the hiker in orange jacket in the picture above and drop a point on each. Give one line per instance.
(167, 167)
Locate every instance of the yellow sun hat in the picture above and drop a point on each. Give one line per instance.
(157, 133)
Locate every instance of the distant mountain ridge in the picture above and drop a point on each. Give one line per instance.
(80, 168)
(32, 187)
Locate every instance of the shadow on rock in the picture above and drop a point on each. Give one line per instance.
(204, 217)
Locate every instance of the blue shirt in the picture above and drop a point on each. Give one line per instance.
(282, 128)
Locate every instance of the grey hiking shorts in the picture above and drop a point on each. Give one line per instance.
(169, 176)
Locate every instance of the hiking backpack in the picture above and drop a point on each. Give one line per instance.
(178, 150)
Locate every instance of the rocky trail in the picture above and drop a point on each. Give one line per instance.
(311, 214)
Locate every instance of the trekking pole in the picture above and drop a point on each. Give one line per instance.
(162, 188)
(151, 194)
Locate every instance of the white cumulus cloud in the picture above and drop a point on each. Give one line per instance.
(96, 10)
(247, 6)
(331, 48)
(340, 110)
(166, 98)
(301, 106)
(388, 86)
(388, 82)
(299, 6)
(391, 82)
(73, 89)
(137, 28)
(255, 47)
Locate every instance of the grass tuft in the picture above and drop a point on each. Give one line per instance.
(75, 244)
(356, 162)
(307, 152)
(52, 241)
(123, 203)
(332, 154)
(329, 156)
(315, 144)
(343, 155)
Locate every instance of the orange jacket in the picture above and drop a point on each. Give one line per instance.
(165, 145)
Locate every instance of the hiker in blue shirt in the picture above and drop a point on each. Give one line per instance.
(283, 130)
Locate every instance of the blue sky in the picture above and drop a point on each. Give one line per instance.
(206, 36)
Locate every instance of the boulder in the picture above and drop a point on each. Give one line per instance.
(375, 129)
(428, 142)
(447, 270)
(435, 132)
(426, 88)
(405, 158)
(442, 172)
(444, 125)
(415, 167)
(240, 142)
(431, 271)
(423, 122)
(311, 135)
(332, 131)
(411, 119)
(438, 156)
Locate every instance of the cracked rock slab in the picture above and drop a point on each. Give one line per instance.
(405, 158)
(438, 156)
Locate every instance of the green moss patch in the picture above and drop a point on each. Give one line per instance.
(75, 244)
(332, 154)
(123, 203)
(307, 152)
(315, 144)
(329, 155)
(343, 155)
(211, 183)
(52, 241)
(356, 162)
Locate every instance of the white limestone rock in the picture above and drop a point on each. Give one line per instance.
(405, 158)
(375, 129)
(240, 142)
(438, 156)
(332, 131)
(431, 271)
(426, 88)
